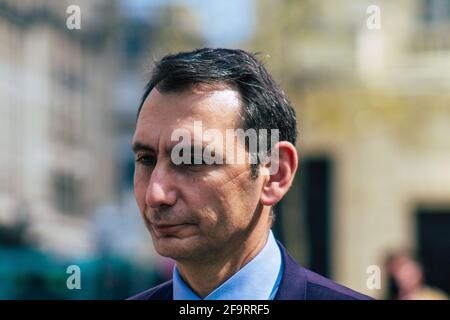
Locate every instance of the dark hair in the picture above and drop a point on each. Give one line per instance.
(265, 105)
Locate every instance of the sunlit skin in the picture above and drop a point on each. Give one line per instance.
(212, 219)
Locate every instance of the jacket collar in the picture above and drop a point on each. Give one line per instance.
(292, 285)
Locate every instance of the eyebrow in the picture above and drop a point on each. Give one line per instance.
(140, 146)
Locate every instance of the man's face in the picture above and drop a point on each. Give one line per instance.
(198, 210)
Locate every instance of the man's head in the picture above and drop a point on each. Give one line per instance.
(195, 211)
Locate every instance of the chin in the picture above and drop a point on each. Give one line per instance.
(177, 249)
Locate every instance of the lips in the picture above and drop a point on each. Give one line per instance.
(169, 228)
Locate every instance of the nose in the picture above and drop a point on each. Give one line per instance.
(160, 190)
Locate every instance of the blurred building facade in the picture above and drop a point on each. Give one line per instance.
(56, 101)
(374, 117)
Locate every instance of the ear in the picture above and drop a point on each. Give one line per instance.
(278, 173)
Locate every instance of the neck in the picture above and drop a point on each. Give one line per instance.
(206, 275)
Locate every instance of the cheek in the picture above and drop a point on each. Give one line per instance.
(140, 187)
(209, 205)
(223, 202)
(222, 210)
(241, 199)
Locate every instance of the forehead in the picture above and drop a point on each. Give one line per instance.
(163, 113)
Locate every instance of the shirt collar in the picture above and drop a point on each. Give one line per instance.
(247, 283)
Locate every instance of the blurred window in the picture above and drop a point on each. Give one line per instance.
(436, 11)
(433, 244)
(316, 196)
(67, 193)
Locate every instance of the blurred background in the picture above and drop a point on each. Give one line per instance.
(373, 187)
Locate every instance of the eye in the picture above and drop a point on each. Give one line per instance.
(146, 160)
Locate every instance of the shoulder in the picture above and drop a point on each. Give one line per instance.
(160, 292)
(299, 283)
(321, 288)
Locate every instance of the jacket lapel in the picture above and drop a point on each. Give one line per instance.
(164, 293)
(293, 282)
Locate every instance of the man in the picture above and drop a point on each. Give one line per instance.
(209, 212)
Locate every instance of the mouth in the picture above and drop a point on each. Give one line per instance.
(169, 229)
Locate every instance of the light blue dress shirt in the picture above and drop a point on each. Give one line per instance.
(259, 279)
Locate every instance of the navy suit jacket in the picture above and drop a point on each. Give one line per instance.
(297, 283)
